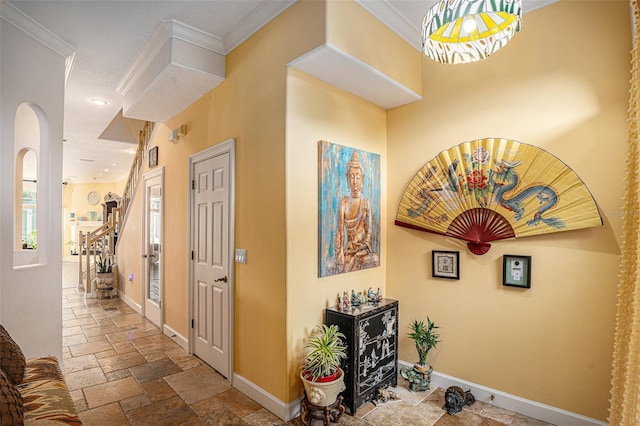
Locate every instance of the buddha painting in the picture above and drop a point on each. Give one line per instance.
(349, 207)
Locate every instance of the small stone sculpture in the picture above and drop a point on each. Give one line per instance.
(419, 377)
(374, 297)
(345, 302)
(383, 395)
(355, 300)
(455, 398)
(362, 299)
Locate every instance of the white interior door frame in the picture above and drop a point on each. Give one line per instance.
(159, 172)
(228, 146)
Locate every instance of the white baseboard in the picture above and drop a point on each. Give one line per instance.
(514, 403)
(501, 399)
(129, 301)
(176, 337)
(284, 411)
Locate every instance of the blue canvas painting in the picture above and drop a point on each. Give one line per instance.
(349, 209)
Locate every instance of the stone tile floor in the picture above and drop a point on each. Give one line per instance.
(121, 370)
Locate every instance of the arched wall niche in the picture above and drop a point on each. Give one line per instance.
(26, 202)
(30, 193)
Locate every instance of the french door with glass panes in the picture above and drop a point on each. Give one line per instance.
(152, 246)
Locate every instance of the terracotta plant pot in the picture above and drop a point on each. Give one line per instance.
(323, 393)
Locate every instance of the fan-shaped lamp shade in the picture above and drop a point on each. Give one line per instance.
(462, 31)
(492, 189)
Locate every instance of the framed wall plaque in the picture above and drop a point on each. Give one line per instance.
(516, 271)
(153, 157)
(445, 264)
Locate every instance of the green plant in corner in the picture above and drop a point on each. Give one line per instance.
(424, 337)
(325, 352)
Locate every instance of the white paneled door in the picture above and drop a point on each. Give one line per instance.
(212, 187)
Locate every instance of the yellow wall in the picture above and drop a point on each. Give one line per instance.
(129, 249)
(361, 35)
(317, 111)
(250, 107)
(563, 88)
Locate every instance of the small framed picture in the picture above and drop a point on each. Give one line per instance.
(516, 271)
(445, 264)
(153, 157)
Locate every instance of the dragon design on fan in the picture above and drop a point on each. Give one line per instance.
(509, 180)
(494, 189)
(428, 201)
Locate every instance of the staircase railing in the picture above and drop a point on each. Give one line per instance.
(102, 240)
(144, 136)
(95, 244)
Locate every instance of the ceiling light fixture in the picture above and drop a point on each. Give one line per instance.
(99, 102)
(469, 24)
(463, 31)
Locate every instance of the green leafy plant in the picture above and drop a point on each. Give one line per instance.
(325, 351)
(32, 241)
(104, 264)
(72, 244)
(424, 337)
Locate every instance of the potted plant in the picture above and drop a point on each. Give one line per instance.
(104, 272)
(321, 373)
(73, 250)
(425, 339)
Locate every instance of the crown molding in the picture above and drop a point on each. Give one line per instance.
(255, 20)
(389, 15)
(166, 31)
(9, 13)
(193, 36)
(344, 71)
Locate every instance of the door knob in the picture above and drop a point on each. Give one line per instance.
(223, 279)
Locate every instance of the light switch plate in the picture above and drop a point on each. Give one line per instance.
(241, 256)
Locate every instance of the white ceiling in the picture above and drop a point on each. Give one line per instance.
(107, 36)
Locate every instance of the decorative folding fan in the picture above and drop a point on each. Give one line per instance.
(492, 189)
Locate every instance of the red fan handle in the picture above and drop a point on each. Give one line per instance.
(478, 248)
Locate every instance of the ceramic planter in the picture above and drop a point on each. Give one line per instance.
(104, 280)
(323, 393)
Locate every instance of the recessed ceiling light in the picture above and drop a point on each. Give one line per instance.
(99, 102)
(131, 151)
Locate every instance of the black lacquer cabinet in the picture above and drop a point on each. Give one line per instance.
(371, 331)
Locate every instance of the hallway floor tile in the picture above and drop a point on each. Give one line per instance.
(121, 370)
